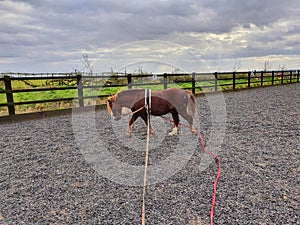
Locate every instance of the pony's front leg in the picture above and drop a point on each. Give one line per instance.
(152, 132)
(144, 117)
(131, 122)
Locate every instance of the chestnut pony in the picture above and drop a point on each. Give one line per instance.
(173, 100)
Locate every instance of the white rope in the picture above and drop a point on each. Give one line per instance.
(148, 108)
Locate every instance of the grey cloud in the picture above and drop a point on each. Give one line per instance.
(154, 18)
(258, 12)
(66, 25)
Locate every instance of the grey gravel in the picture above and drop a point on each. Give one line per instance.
(44, 178)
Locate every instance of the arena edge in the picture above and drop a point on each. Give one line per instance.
(44, 93)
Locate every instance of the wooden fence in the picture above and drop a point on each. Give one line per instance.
(101, 83)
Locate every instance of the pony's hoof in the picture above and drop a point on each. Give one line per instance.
(194, 131)
(174, 132)
(152, 132)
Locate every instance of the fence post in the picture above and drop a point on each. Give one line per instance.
(298, 76)
(9, 95)
(216, 81)
(193, 83)
(282, 74)
(273, 73)
(165, 81)
(249, 79)
(262, 78)
(80, 90)
(291, 75)
(129, 84)
(233, 80)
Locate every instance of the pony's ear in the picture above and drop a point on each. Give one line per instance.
(111, 98)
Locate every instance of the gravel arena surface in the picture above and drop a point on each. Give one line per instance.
(49, 176)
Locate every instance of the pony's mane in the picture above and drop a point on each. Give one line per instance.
(109, 103)
(130, 90)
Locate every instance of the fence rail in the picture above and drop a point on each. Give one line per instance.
(94, 86)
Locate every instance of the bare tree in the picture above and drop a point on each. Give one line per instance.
(267, 65)
(219, 68)
(176, 70)
(237, 65)
(87, 64)
(282, 67)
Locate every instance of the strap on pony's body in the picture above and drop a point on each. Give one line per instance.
(148, 101)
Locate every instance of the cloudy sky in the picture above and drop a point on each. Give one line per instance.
(206, 35)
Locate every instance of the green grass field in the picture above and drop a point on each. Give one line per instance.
(72, 93)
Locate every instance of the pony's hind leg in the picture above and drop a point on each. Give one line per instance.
(190, 113)
(193, 129)
(176, 122)
(191, 123)
(190, 120)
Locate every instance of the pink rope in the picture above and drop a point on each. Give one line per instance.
(217, 158)
(216, 180)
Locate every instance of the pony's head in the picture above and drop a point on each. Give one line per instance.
(114, 109)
